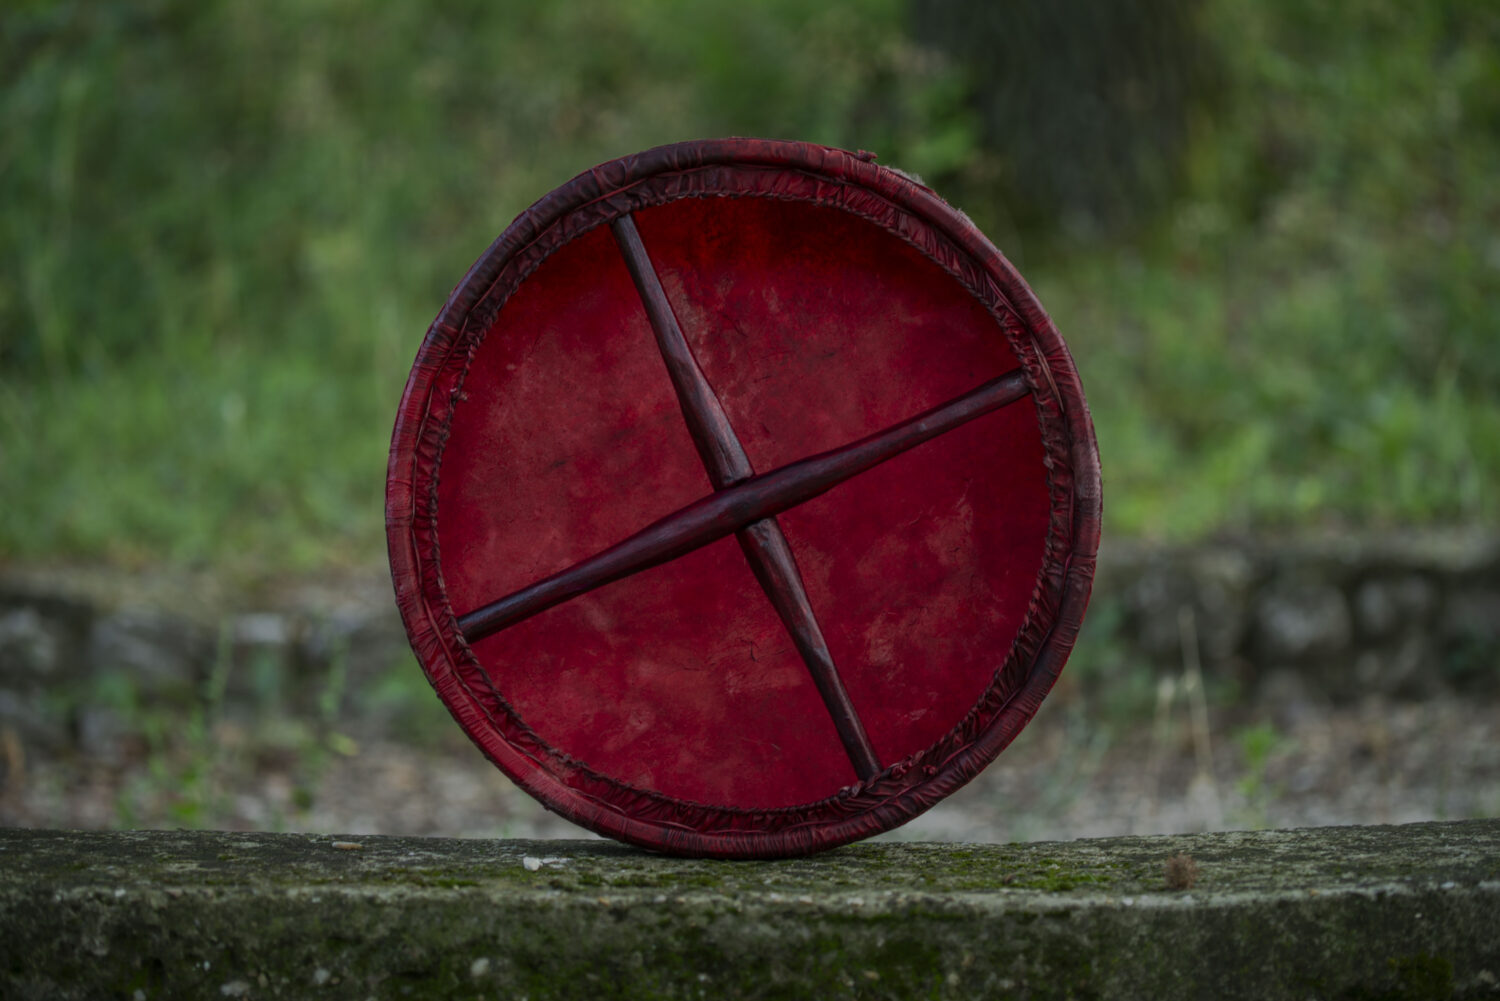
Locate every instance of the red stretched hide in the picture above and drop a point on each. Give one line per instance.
(824, 300)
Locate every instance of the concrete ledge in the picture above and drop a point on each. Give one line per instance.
(1376, 912)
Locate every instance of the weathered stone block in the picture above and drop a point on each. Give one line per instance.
(1387, 606)
(1302, 620)
(34, 719)
(1408, 668)
(1222, 581)
(30, 650)
(166, 656)
(1212, 584)
(1408, 912)
(1471, 640)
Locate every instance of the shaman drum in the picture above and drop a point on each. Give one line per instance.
(742, 501)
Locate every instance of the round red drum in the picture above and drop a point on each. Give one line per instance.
(743, 501)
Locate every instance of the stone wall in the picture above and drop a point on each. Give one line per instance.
(78, 647)
(1406, 616)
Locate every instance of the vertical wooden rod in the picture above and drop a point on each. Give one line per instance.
(763, 543)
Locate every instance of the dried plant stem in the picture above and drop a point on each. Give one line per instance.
(1197, 700)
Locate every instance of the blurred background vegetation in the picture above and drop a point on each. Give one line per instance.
(1270, 230)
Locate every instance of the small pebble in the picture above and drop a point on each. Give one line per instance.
(531, 864)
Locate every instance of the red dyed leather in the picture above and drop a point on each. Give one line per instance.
(825, 299)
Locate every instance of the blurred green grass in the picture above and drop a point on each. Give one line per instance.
(224, 228)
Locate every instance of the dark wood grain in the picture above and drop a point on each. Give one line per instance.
(763, 543)
(774, 566)
(727, 511)
(717, 444)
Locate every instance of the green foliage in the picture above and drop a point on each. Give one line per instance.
(183, 762)
(1312, 336)
(183, 752)
(223, 228)
(1258, 744)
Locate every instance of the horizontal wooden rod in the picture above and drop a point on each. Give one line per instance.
(727, 511)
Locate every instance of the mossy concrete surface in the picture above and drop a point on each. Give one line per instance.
(1360, 912)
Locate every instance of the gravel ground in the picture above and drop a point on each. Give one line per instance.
(1069, 775)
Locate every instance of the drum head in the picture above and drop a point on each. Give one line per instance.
(743, 501)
